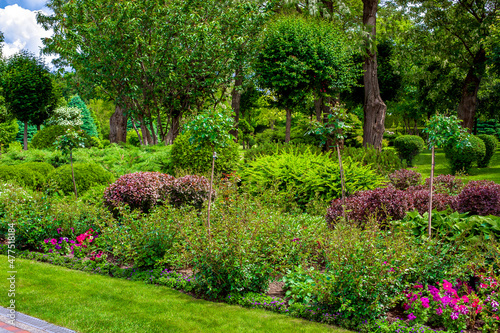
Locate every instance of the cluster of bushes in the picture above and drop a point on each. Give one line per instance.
(359, 273)
(43, 176)
(145, 190)
(405, 194)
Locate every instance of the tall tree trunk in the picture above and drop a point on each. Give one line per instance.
(153, 133)
(146, 136)
(235, 103)
(468, 101)
(25, 137)
(318, 103)
(288, 124)
(118, 126)
(38, 127)
(174, 128)
(374, 106)
(141, 142)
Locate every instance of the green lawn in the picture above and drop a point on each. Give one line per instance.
(93, 303)
(423, 165)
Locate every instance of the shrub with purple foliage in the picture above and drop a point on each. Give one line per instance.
(447, 184)
(419, 200)
(139, 190)
(380, 203)
(190, 190)
(480, 198)
(403, 178)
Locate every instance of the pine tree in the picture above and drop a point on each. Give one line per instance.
(89, 125)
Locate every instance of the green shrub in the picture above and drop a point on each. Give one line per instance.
(383, 162)
(490, 143)
(88, 125)
(409, 146)
(462, 158)
(8, 132)
(21, 175)
(272, 148)
(45, 138)
(41, 167)
(95, 142)
(87, 175)
(308, 175)
(185, 156)
(133, 138)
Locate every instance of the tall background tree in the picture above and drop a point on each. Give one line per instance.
(27, 89)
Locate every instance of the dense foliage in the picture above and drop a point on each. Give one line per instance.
(461, 158)
(87, 175)
(409, 146)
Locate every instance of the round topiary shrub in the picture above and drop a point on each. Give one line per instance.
(409, 146)
(87, 175)
(190, 190)
(186, 156)
(139, 190)
(404, 178)
(41, 169)
(490, 143)
(480, 198)
(461, 158)
(45, 138)
(20, 175)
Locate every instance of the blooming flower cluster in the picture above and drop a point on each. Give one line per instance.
(78, 247)
(455, 307)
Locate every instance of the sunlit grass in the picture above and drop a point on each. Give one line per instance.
(93, 303)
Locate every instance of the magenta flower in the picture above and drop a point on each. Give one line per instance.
(439, 311)
(454, 315)
(411, 317)
(447, 286)
(53, 241)
(425, 302)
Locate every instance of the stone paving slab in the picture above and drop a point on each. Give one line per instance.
(28, 324)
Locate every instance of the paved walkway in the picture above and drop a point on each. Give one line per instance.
(27, 324)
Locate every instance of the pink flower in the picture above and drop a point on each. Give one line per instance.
(482, 285)
(465, 299)
(411, 316)
(425, 302)
(447, 286)
(418, 286)
(479, 309)
(53, 241)
(439, 311)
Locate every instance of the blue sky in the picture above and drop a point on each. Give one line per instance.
(18, 24)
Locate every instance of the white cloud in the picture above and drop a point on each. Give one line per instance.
(28, 4)
(21, 30)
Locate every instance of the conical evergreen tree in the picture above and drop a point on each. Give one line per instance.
(88, 122)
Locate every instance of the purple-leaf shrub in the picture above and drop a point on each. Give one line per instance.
(447, 184)
(419, 199)
(403, 178)
(190, 190)
(380, 203)
(480, 198)
(139, 190)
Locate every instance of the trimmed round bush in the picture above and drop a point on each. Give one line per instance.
(480, 198)
(87, 175)
(404, 178)
(186, 156)
(409, 146)
(21, 175)
(462, 158)
(41, 167)
(490, 143)
(190, 190)
(45, 138)
(446, 184)
(139, 190)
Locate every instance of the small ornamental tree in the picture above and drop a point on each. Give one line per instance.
(66, 143)
(27, 88)
(443, 131)
(211, 128)
(333, 130)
